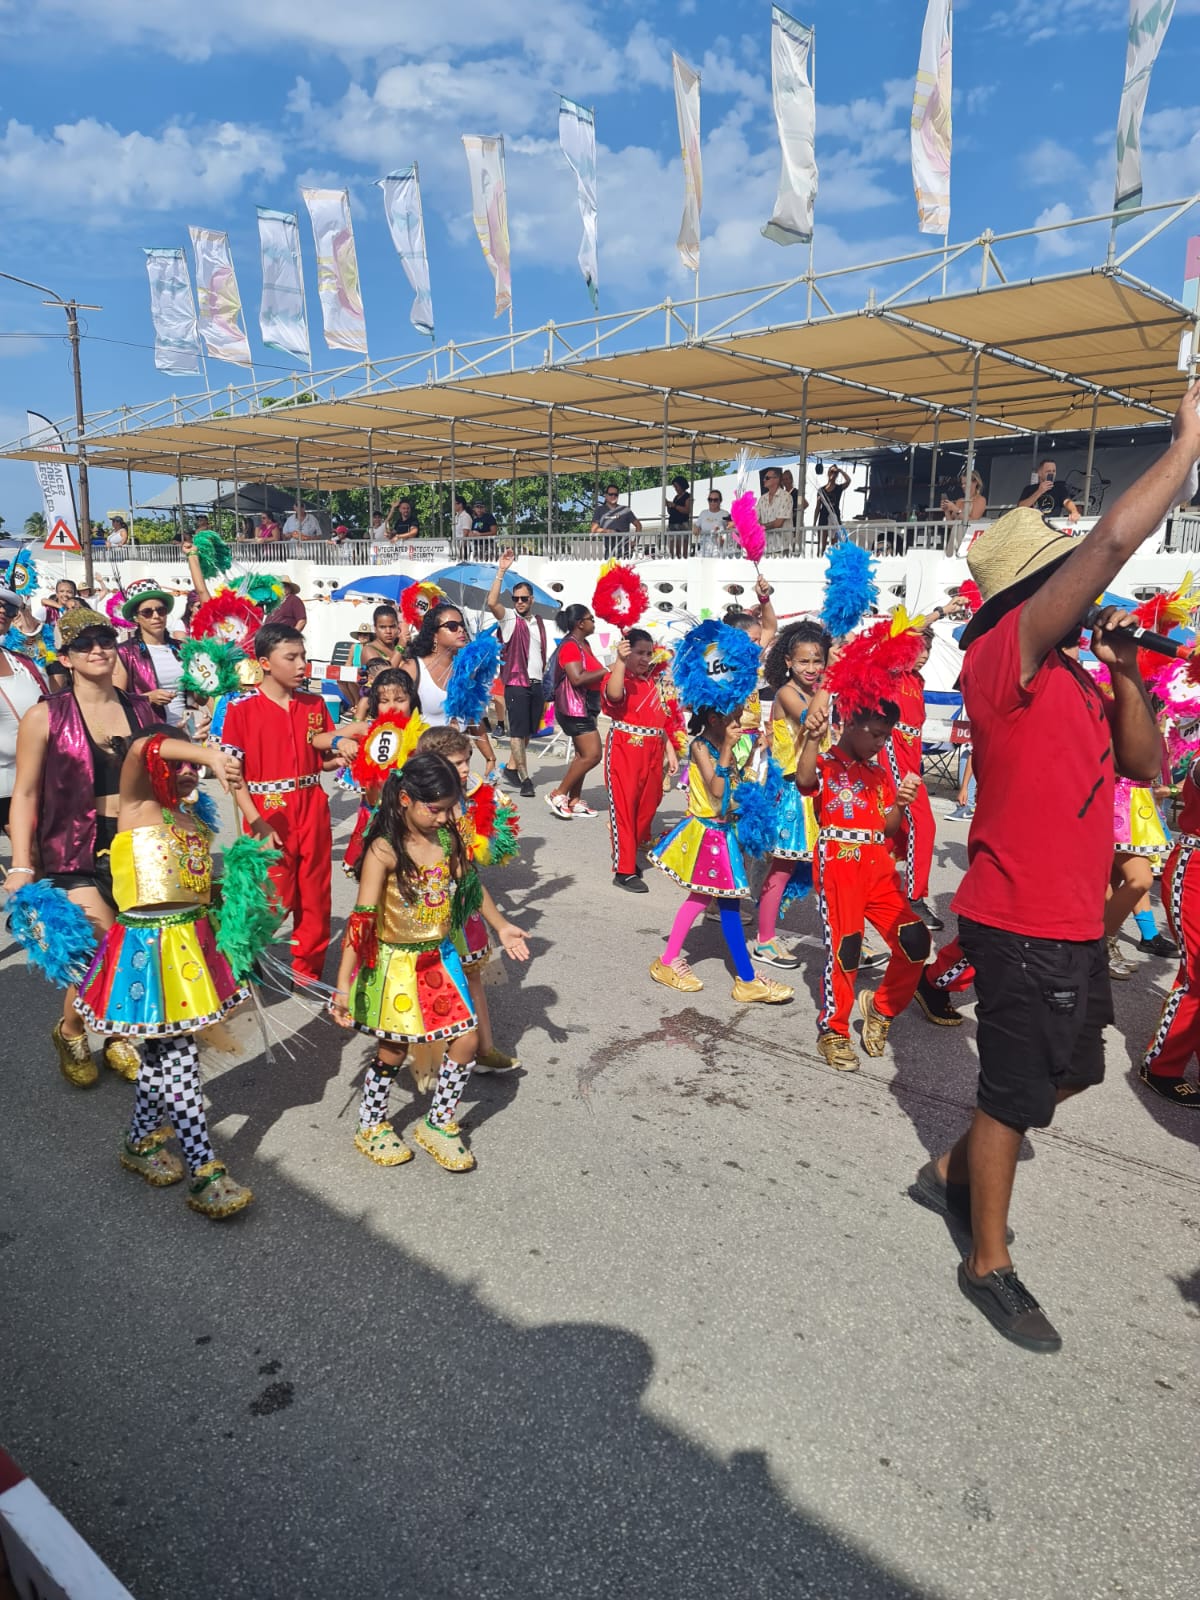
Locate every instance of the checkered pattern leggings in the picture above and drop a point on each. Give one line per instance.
(168, 1090)
(447, 1092)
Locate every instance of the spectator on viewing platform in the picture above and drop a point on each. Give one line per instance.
(613, 517)
(679, 507)
(118, 533)
(462, 523)
(302, 524)
(799, 504)
(775, 503)
(290, 610)
(829, 497)
(483, 523)
(340, 533)
(956, 510)
(268, 529)
(1049, 496)
(402, 520)
(710, 525)
(378, 531)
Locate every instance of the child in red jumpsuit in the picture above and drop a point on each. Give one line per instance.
(280, 733)
(858, 810)
(633, 757)
(1177, 1038)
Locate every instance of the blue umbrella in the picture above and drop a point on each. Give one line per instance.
(467, 584)
(386, 586)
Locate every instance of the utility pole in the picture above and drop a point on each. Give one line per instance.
(72, 309)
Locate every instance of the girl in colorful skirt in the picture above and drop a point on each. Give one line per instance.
(391, 690)
(489, 825)
(1141, 845)
(702, 854)
(794, 668)
(158, 976)
(401, 979)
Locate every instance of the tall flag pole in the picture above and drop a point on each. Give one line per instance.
(577, 136)
(218, 300)
(1148, 23)
(338, 287)
(687, 112)
(794, 99)
(489, 211)
(406, 223)
(931, 124)
(173, 312)
(283, 313)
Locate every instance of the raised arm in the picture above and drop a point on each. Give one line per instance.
(493, 602)
(1062, 602)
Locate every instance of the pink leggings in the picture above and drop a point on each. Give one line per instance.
(774, 884)
(731, 928)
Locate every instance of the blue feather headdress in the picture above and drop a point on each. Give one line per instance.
(53, 932)
(850, 588)
(21, 575)
(756, 810)
(469, 686)
(716, 666)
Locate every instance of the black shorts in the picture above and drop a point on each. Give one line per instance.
(1043, 1005)
(523, 708)
(100, 877)
(575, 725)
(5, 806)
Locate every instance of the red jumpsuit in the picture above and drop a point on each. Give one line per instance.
(283, 775)
(633, 766)
(1177, 1038)
(914, 842)
(951, 971)
(856, 879)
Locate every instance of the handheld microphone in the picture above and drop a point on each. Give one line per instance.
(1157, 643)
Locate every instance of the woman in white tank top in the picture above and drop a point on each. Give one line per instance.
(442, 635)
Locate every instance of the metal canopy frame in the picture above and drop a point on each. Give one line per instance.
(891, 372)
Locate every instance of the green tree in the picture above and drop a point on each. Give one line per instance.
(35, 525)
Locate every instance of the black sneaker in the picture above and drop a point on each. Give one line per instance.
(936, 1005)
(872, 958)
(1010, 1308)
(930, 918)
(953, 1200)
(1160, 945)
(1177, 1090)
(527, 789)
(510, 775)
(630, 881)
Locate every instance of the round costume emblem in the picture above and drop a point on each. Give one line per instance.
(382, 746)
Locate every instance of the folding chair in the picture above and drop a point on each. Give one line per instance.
(550, 739)
(939, 747)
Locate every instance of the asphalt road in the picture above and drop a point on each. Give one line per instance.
(681, 1334)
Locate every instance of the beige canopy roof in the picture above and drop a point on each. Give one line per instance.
(1061, 353)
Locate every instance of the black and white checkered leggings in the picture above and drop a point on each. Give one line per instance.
(168, 1090)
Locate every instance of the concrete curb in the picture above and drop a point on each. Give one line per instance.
(47, 1559)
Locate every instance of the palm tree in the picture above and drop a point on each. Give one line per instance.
(35, 525)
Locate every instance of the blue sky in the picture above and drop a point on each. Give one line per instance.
(124, 121)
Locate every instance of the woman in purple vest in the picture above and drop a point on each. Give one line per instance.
(148, 663)
(63, 816)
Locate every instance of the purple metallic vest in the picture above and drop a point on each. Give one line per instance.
(66, 830)
(139, 666)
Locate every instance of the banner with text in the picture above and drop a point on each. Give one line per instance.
(54, 480)
(217, 298)
(796, 119)
(931, 119)
(687, 112)
(577, 136)
(406, 223)
(1148, 23)
(489, 208)
(337, 269)
(173, 312)
(282, 315)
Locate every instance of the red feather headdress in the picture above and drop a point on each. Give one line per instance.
(228, 617)
(865, 673)
(417, 599)
(390, 741)
(620, 596)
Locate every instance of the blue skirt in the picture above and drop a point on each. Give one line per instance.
(796, 826)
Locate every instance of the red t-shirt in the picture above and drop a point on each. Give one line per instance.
(1041, 845)
(273, 740)
(569, 650)
(642, 706)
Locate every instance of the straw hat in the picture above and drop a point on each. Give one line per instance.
(1010, 561)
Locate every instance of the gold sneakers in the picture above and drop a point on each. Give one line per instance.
(677, 975)
(838, 1052)
(74, 1058)
(494, 1060)
(762, 991)
(213, 1193)
(151, 1160)
(383, 1145)
(875, 1025)
(444, 1145)
(122, 1056)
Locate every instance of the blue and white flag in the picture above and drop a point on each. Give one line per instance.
(402, 208)
(796, 119)
(1148, 23)
(577, 136)
(173, 312)
(282, 314)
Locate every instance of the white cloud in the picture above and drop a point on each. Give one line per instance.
(88, 168)
(1050, 165)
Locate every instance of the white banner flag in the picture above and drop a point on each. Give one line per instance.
(1148, 22)
(687, 111)
(489, 208)
(337, 269)
(54, 480)
(217, 298)
(796, 118)
(173, 312)
(406, 222)
(577, 136)
(282, 315)
(931, 119)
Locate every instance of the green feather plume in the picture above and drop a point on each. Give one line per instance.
(210, 668)
(250, 912)
(262, 590)
(215, 555)
(468, 899)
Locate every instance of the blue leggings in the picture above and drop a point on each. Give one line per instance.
(731, 929)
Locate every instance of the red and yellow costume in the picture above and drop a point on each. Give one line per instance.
(283, 776)
(914, 842)
(856, 879)
(633, 764)
(489, 826)
(1177, 1037)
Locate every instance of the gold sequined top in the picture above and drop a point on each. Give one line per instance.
(161, 865)
(422, 920)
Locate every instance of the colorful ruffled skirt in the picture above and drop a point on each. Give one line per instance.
(797, 826)
(702, 854)
(412, 993)
(1138, 826)
(472, 942)
(156, 975)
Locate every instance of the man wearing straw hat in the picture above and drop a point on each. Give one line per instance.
(1031, 906)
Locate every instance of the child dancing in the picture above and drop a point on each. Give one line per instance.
(391, 690)
(400, 978)
(638, 703)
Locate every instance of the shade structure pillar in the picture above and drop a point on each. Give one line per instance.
(179, 490)
(549, 476)
(453, 479)
(970, 473)
(802, 464)
(1091, 458)
(933, 465)
(512, 505)
(666, 465)
(299, 492)
(371, 496)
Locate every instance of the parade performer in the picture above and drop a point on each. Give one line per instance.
(148, 663)
(949, 973)
(392, 691)
(1141, 846)
(279, 733)
(639, 703)
(859, 809)
(715, 668)
(160, 975)
(63, 814)
(1177, 1038)
(489, 826)
(1031, 919)
(400, 979)
(794, 668)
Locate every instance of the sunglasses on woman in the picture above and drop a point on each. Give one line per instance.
(454, 627)
(153, 611)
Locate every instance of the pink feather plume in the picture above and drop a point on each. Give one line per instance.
(744, 516)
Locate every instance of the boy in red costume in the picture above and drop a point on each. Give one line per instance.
(633, 756)
(280, 733)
